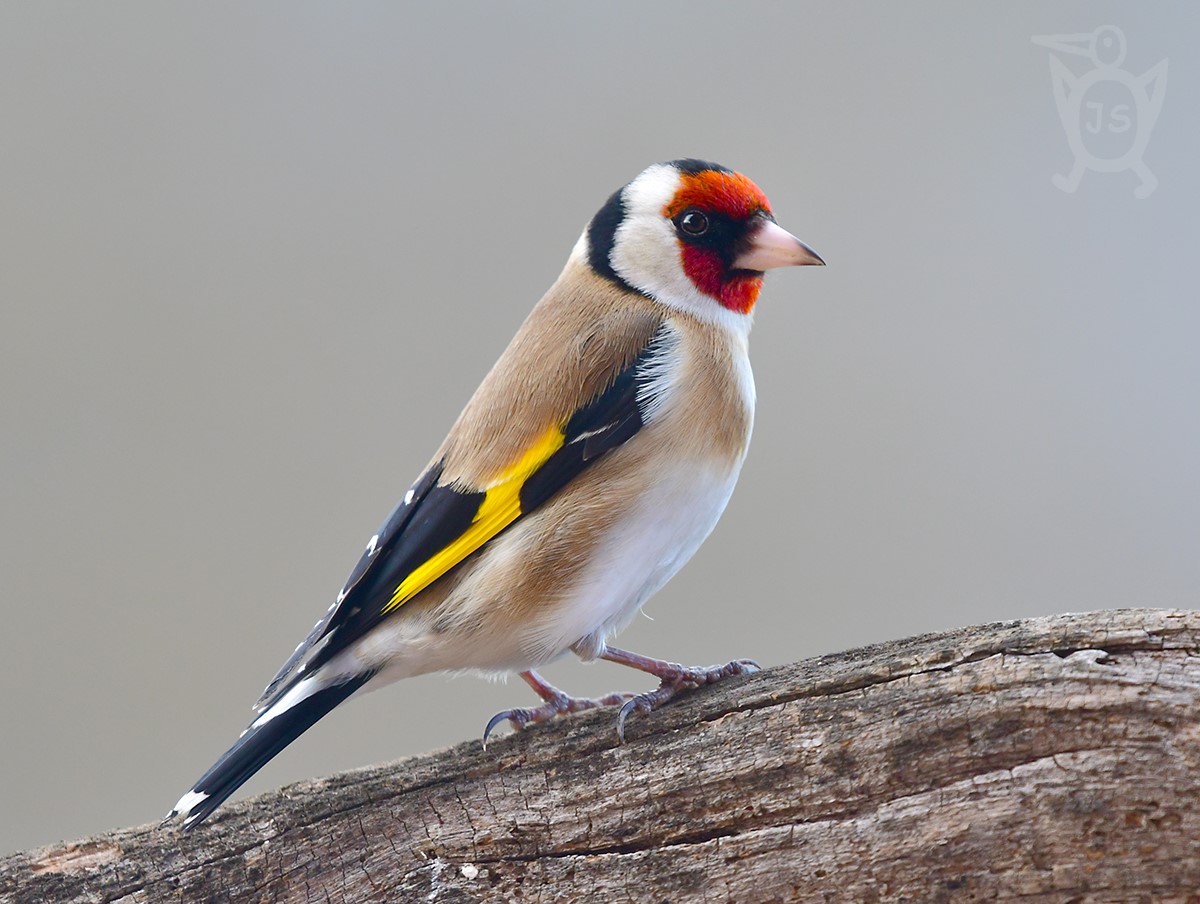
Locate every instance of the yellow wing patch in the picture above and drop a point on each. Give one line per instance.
(501, 506)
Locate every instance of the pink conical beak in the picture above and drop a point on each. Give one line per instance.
(773, 246)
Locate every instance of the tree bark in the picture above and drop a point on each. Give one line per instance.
(1052, 759)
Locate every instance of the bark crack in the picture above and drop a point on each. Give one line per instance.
(1020, 760)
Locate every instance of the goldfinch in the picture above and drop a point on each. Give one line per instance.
(588, 467)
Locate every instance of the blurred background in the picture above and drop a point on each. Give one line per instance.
(254, 259)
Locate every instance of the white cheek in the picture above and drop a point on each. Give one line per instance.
(645, 250)
(646, 254)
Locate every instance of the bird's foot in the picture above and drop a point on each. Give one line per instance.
(672, 677)
(557, 703)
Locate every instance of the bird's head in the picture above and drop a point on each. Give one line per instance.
(693, 235)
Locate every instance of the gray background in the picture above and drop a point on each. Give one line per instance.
(253, 259)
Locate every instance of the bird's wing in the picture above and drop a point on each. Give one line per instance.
(442, 520)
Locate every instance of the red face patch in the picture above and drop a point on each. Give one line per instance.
(729, 193)
(737, 291)
(736, 197)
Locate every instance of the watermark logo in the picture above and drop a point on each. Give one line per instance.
(1107, 113)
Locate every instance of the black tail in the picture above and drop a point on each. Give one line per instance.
(256, 748)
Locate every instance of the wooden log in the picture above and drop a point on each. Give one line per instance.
(1051, 759)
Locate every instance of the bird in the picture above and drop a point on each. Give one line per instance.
(588, 467)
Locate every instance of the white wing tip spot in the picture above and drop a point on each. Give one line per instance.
(189, 802)
(408, 497)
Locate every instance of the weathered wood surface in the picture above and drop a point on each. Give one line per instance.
(1053, 759)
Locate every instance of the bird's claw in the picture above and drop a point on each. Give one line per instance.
(555, 706)
(518, 717)
(643, 703)
(681, 678)
(673, 679)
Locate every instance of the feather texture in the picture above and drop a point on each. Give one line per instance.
(450, 515)
(591, 463)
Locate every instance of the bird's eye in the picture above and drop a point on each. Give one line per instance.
(693, 222)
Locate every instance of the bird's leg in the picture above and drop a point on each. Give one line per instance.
(672, 678)
(557, 703)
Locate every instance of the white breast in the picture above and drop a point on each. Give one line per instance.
(656, 539)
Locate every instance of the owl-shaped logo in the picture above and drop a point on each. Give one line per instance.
(1107, 113)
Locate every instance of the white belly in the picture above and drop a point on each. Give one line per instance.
(638, 558)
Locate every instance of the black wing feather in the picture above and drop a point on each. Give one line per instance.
(376, 553)
(437, 514)
(600, 426)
